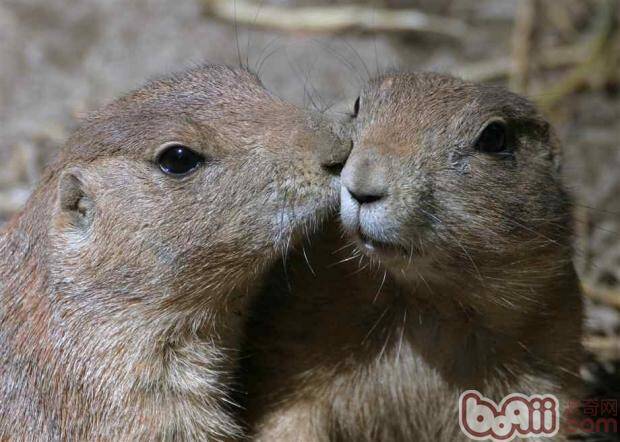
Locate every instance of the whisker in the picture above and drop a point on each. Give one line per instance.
(455, 238)
(359, 57)
(348, 64)
(247, 52)
(350, 244)
(359, 270)
(380, 287)
(402, 333)
(376, 324)
(303, 248)
(236, 27)
(341, 261)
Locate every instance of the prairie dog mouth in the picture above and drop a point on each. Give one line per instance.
(395, 252)
(380, 248)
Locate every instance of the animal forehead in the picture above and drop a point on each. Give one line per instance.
(207, 101)
(404, 109)
(407, 87)
(418, 103)
(206, 87)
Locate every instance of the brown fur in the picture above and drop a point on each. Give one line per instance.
(473, 285)
(123, 290)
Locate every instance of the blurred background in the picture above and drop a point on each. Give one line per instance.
(61, 58)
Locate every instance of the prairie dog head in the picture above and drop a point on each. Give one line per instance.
(448, 177)
(189, 185)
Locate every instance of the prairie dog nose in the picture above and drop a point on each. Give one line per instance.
(333, 155)
(364, 179)
(364, 198)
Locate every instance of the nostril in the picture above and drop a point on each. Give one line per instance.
(363, 198)
(333, 161)
(333, 168)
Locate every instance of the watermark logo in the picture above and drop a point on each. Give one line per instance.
(516, 415)
(594, 415)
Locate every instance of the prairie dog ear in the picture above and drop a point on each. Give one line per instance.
(74, 205)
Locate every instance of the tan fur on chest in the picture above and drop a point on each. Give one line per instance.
(340, 355)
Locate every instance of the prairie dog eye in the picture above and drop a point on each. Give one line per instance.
(493, 138)
(177, 159)
(356, 108)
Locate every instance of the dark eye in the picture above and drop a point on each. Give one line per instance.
(179, 160)
(492, 139)
(356, 108)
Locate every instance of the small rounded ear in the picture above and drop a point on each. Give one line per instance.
(74, 204)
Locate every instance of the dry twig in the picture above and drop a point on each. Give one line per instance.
(589, 60)
(522, 38)
(598, 63)
(333, 19)
(603, 346)
(607, 297)
(500, 68)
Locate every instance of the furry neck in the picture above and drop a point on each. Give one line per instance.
(89, 373)
(477, 328)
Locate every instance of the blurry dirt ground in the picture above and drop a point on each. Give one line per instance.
(61, 58)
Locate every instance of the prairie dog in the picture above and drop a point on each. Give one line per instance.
(452, 193)
(125, 279)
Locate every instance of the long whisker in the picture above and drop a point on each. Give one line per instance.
(376, 324)
(342, 261)
(359, 270)
(350, 244)
(402, 333)
(380, 287)
(459, 243)
(303, 248)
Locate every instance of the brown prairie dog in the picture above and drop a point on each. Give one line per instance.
(124, 281)
(452, 193)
